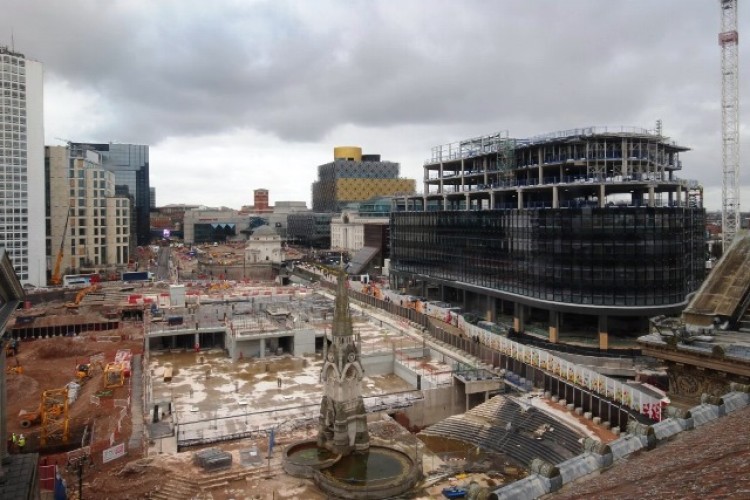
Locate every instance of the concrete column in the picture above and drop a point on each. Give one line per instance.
(520, 199)
(424, 203)
(554, 327)
(679, 195)
(445, 202)
(263, 348)
(651, 196)
(519, 317)
(603, 333)
(468, 201)
(463, 180)
(625, 156)
(602, 195)
(463, 300)
(442, 186)
(540, 173)
(555, 198)
(492, 200)
(442, 293)
(490, 313)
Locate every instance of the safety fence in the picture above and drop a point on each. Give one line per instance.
(610, 399)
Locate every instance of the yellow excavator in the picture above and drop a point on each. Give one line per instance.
(85, 371)
(80, 295)
(56, 279)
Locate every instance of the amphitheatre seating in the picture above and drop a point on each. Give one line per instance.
(503, 426)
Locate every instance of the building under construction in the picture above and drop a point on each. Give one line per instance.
(354, 177)
(576, 235)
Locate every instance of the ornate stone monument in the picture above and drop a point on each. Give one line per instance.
(342, 427)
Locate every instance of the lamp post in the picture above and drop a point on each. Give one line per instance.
(76, 465)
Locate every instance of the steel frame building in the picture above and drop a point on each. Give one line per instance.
(587, 228)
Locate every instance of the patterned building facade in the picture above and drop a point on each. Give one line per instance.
(354, 177)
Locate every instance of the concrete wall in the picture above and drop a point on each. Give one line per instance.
(304, 342)
(378, 364)
(405, 373)
(248, 348)
(437, 404)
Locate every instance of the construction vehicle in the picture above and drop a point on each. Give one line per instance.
(114, 375)
(30, 418)
(81, 294)
(51, 402)
(11, 348)
(55, 423)
(18, 369)
(56, 279)
(85, 371)
(371, 289)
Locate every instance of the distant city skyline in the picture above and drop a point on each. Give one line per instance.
(232, 97)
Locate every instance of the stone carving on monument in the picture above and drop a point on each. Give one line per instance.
(342, 426)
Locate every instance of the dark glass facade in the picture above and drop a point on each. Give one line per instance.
(313, 229)
(611, 256)
(130, 164)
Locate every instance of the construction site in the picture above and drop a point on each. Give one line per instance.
(200, 388)
(133, 380)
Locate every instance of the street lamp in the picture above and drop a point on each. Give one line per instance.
(76, 465)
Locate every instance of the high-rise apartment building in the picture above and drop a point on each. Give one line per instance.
(130, 164)
(85, 214)
(22, 165)
(354, 177)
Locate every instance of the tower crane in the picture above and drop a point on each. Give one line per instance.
(730, 133)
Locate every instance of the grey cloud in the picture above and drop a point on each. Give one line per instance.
(171, 69)
(300, 69)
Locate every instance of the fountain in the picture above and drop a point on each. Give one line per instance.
(342, 462)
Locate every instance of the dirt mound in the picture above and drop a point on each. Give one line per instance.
(14, 384)
(62, 348)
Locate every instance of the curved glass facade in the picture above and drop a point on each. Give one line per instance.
(611, 256)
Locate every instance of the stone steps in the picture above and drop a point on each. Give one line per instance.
(177, 488)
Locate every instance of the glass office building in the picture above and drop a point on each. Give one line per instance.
(130, 164)
(587, 223)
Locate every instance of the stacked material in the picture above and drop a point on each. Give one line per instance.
(212, 459)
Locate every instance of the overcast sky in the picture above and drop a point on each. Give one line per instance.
(238, 95)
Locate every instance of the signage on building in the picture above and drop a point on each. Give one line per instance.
(113, 453)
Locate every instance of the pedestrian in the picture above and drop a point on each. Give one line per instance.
(21, 443)
(278, 381)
